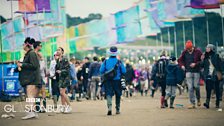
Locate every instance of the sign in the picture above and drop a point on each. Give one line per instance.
(10, 80)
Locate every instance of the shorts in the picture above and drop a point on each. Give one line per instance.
(74, 82)
(64, 82)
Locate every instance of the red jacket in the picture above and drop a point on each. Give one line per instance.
(197, 57)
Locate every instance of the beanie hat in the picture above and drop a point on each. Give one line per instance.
(189, 44)
(211, 46)
(173, 58)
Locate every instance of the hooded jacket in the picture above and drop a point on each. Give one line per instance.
(174, 75)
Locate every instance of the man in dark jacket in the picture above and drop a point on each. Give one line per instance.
(129, 77)
(189, 61)
(29, 74)
(113, 85)
(94, 76)
(84, 77)
(212, 65)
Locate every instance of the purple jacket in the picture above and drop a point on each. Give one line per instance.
(197, 58)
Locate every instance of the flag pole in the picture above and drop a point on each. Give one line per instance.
(222, 25)
(14, 52)
(193, 32)
(161, 38)
(2, 58)
(168, 33)
(184, 35)
(175, 40)
(207, 25)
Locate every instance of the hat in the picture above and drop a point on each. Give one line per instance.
(211, 46)
(189, 44)
(173, 58)
(113, 51)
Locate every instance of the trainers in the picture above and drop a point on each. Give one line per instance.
(30, 115)
(69, 95)
(191, 107)
(68, 110)
(109, 113)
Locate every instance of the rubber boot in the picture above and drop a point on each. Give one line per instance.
(165, 101)
(118, 101)
(162, 100)
(109, 105)
(171, 102)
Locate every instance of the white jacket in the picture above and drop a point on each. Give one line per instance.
(52, 69)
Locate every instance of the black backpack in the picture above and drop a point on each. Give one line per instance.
(161, 68)
(111, 74)
(5, 97)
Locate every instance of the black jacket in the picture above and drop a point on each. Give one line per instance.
(30, 73)
(64, 67)
(216, 61)
(130, 74)
(85, 70)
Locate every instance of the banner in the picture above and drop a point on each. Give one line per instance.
(18, 24)
(159, 14)
(33, 6)
(7, 29)
(187, 12)
(205, 4)
(148, 25)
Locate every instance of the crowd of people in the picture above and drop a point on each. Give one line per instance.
(102, 78)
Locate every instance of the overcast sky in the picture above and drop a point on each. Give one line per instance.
(77, 7)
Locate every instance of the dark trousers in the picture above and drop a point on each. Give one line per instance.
(210, 84)
(85, 85)
(162, 84)
(55, 88)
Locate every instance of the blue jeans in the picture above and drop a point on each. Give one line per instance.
(193, 84)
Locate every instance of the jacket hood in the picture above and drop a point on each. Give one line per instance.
(171, 68)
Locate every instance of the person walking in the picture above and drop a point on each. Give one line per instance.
(212, 65)
(129, 77)
(63, 78)
(43, 72)
(174, 76)
(84, 77)
(113, 70)
(94, 77)
(189, 61)
(159, 74)
(54, 83)
(29, 75)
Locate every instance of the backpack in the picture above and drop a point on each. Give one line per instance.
(5, 97)
(111, 74)
(161, 68)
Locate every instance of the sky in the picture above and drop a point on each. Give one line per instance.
(77, 7)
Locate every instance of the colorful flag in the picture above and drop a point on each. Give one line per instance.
(33, 6)
(205, 4)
